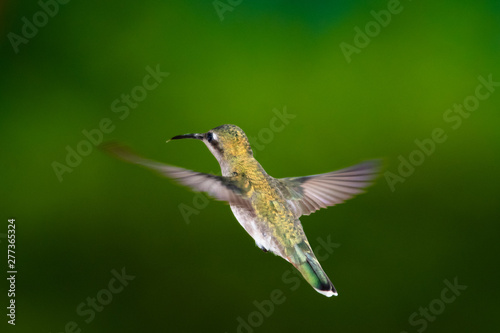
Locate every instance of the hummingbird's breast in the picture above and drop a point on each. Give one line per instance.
(271, 223)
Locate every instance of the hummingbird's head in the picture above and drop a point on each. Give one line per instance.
(226, 142)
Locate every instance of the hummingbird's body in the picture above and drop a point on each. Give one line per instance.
(266, 207)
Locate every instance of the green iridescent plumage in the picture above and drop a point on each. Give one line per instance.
(267, 208)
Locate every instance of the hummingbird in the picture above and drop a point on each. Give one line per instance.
(267, 208)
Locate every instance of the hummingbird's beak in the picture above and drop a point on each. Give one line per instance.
(188, 136)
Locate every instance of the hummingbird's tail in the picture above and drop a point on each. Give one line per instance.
(307, 264)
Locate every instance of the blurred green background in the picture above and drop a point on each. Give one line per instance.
(395, 248)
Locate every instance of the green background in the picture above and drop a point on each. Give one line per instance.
(395, 247)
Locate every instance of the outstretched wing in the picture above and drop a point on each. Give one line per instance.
(310, 193)
(221, 188)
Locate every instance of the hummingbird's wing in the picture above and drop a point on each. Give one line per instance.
(310, 193)
(221, 188)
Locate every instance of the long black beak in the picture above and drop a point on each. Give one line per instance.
(188, 136)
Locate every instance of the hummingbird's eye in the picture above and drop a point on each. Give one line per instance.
(210, 136)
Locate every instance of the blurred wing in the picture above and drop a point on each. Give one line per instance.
(308, 194)
(221, 188)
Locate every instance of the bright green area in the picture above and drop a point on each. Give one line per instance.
(396, 247)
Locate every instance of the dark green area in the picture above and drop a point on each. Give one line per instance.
(395, 248)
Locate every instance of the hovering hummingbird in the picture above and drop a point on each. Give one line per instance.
(267, 208)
